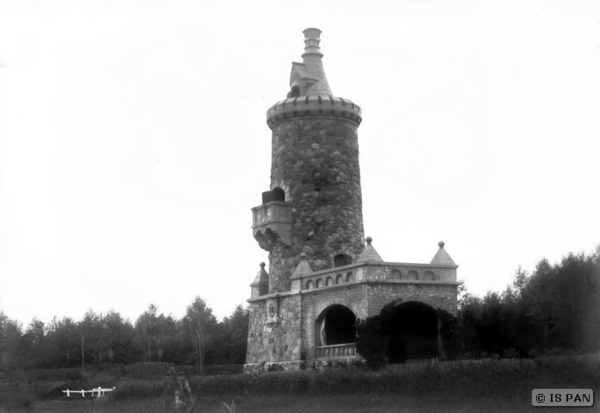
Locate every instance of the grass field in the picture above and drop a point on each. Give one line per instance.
(462, 386)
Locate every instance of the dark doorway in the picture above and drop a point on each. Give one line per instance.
(338, 326)
(278, 194)
(342, 259)
(412, 331)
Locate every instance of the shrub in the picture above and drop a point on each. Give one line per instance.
(134, 389)
(148, 370)
(370, 342)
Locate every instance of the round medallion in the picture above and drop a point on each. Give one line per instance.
(271, 310)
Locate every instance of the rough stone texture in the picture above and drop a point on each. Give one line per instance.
(438, 296)
(277, 341)
(316, 159)
(295, 336)
(315, 163)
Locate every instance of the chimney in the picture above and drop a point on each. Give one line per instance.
(311, 42)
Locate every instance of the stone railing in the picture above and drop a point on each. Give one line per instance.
(381, 272)
(275, 216)
(274, 211)
(338, 350)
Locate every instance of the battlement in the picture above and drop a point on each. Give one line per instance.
(314, 106)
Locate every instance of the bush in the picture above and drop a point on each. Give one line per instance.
(370, 342)
(135, 389)
(494, 377)
(148, 370)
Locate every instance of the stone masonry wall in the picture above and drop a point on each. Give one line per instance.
(275, 342)
(314, 304)
(317, 160)
(440, 296)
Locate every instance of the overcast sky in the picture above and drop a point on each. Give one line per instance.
(133, 140)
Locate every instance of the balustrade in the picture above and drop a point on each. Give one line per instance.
(338, 350)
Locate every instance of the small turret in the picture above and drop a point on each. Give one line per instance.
(442, 257)
(369, 254)
(260, 286)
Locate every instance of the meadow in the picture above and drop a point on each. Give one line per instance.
(494, 385)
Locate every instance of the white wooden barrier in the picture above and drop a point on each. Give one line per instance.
(99, 391)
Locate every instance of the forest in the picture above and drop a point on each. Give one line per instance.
(553, 309)
(99, 339)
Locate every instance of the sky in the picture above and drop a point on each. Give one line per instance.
(133, 140)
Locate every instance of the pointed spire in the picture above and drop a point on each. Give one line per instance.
(302, 269)
(369, 253)
(442, 257)
(262, 277)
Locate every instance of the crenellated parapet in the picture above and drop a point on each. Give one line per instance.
(314, 106)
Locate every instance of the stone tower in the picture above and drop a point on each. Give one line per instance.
(322, 277)
(315, 175)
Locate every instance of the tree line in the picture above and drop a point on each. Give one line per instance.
(555, 308)
(107, 338)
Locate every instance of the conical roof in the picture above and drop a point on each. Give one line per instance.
(369, 253)
(262, 277)
(442, 257)
(302, 269)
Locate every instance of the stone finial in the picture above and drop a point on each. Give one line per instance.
(369, 253)
(262, 277)
(302, 269)
(260, 286)
(442, 257)
(312, 38)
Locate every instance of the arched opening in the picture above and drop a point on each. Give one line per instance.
(339, 279)
(319, 283)
(413, 332)
(337, 325)
(429, 276)
(329, 281)
(412, 275)
(341, 260)
(309, 285)
(278, 194)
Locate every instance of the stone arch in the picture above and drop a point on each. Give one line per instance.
(339, 279)
(319, 283)
(429, 276)
(336, 324)
(412, 331)
(329, 281)
(284, 187)
(278, 194)
(349, 277)
(310, 285)
(412, 275)
(396, 275)
(341, 260)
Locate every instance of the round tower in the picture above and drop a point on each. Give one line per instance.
(314, 205)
